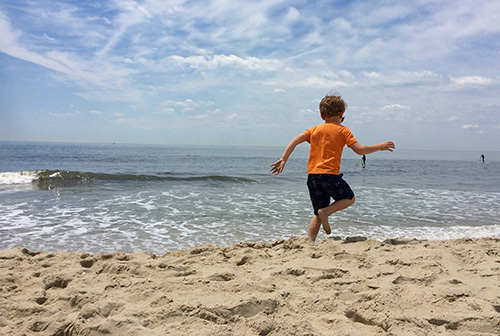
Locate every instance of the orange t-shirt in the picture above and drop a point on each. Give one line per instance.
(327, 143)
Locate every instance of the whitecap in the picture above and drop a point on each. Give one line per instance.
(22, 177)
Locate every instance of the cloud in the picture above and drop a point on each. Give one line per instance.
(322, 82)
(292, 14)
(470, 126)
(187, 106)
(64, 115)
(131, 13)
(396, 107)
(403, 78)
(45, 37)
(219, 61)
(391, 35)
(470, 81)
(425, 78)
(92, 75)
(328, 80)
(9, 45)
(126, 40)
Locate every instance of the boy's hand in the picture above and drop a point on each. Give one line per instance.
(278, 166)
(389, 145)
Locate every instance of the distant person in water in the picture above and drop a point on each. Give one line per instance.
(364, 160)
(324, 180)
(482, 157)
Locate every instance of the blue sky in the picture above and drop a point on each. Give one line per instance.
(424, 74)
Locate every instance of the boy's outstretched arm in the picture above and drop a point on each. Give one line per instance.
(279, 165)
(360, 149)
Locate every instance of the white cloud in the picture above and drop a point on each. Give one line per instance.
(372, 75)
(93, 74)
(292, 14)
(470, 126)
(9, 45)
(307, 112)
(166, 111)
(188, 106)
(218, 61)
(401, 78)
(45, 37)
(396, 107)
(328, 80)
(470, 81)
(131, 13)
(322, 82)
(64, 115)
(231, 117)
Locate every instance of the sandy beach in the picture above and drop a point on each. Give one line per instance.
(289, 287)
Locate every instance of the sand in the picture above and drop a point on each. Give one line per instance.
(290, 287)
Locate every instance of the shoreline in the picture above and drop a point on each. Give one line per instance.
(289, 287)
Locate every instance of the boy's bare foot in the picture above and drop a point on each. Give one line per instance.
(324, 219)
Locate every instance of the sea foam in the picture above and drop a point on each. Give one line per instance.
(22, 177)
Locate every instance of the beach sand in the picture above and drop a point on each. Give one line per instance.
(290, 287)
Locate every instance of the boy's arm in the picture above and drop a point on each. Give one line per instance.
(360, 149)
(279, 165)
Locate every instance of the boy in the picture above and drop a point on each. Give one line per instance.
(324, 179)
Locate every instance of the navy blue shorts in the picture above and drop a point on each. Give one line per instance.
(322, 187)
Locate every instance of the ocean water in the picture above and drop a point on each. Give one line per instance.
(116, 197)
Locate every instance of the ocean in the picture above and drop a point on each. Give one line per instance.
(158, 198)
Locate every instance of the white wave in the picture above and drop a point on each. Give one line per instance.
(435, 233)
(22, 177)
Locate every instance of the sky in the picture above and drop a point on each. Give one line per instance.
(424, 74)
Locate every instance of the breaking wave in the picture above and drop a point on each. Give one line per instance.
(47, 179)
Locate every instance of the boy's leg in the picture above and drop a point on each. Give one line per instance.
(314, 227)
(332, 208)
